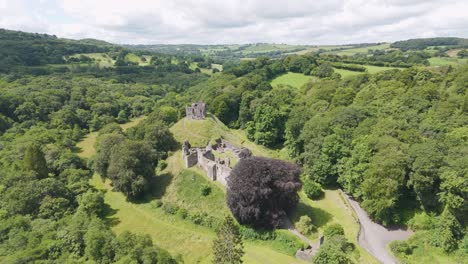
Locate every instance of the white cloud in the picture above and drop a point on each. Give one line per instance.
(238, 21)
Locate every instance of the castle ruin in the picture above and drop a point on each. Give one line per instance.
(216, 169)
(196, 111)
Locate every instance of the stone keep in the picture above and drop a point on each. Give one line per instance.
(196, 111)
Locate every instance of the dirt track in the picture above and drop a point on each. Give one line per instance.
(375, 237)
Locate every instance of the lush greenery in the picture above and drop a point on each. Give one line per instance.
(395, 140)
(228, 247)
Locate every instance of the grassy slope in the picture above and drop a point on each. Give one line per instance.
(442, 61)
(294, 79)
(352, 51)
(370, 69)
(102, 59)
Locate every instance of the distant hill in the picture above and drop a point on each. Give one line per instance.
(428, 42)
(32, 49)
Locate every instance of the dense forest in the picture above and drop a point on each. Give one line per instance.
(397, 141)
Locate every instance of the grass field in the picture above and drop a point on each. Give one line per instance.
(179, 186)
(443, 61)
(136, 59)
(102, 59)
(352, 51)
(370, 69)
(296, 80)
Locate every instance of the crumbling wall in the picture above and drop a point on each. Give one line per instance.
(223, 173)
(215, 168)
(196, 111)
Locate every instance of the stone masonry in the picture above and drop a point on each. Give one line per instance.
(216, 169)
(196, 111)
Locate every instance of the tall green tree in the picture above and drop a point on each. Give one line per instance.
(228, 246)
(35, 161)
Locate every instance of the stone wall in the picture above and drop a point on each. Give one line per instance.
(216, 169)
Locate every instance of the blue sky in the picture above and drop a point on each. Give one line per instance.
(238, 21)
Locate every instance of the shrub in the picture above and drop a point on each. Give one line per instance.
(182, 213)
(401, 247)
(205, 189)
(334, 251)
(170, 209)
(162, 165)
(333, 230)
(156, 203)
(312, 189)
(259, 234)
(421, 221)
(305, 226)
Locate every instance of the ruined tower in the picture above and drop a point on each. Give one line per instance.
(196, 111)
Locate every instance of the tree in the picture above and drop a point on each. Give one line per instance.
(261, 191)
(463, 53)
(333, 230)
(131, 167)
(312, 189)
(324, 70)
(267, 127)
(447, 231)
(333, 251)
(35, 161)
(228, 247)
(304, 225)
(99, 242)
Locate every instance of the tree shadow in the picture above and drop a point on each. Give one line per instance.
(157, 189)
(318, 216)
(159, 185)
(109, 215)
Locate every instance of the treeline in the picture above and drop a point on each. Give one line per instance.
(27, 49)
(391, 58)
(420, 44)
(351, 67)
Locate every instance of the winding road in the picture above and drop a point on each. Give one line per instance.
(375, 237)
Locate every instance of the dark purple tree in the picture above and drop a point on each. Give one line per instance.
(262, 191)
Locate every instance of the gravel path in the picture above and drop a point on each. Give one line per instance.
(375, 237)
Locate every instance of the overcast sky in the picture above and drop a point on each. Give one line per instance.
(241, 21)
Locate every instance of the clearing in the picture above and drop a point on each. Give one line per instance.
(296, 80)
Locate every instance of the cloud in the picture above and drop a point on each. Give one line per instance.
(238, 21)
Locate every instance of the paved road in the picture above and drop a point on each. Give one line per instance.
(375, 237)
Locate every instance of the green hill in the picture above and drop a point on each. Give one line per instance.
(179, 189)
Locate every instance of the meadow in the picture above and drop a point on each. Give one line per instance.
(296, 80)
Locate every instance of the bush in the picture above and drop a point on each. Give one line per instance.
(401, 247)
(305, 226)
(162, 165)
(421, 221)
(182, 213)
(334, 251)
(333, 230)
(156, 203)
(312, 189)
(170, 209)
(205, 189)
(249, 233)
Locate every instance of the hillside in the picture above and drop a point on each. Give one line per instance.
(179, 187)
(29, 49)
